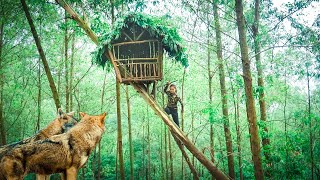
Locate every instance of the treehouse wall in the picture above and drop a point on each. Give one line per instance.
(138, 55)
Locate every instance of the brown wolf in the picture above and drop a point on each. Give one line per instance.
(57, 126)
(65, 153)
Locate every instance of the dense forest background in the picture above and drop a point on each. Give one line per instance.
(282, 39)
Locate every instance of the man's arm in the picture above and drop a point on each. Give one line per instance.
(167, 88)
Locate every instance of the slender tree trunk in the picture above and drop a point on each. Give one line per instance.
(42, 55)
(286, 123)
(122, 175)
(251, 111)
(60, 69)
(166, 152)
(71, 90)
(2, 127)
(101, 110)
(223, 92)
(310, 126)
(161, 154)
(237, 123)
(39, 92)
(170, 156)
(39, 97)
(148, 146)
(262, 102)
(130, 134)
(66, 59)
(193, 137)
(182, 122)
(117, 161)
(210, 76)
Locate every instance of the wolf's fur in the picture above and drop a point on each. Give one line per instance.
(57, 126)
(65, 153)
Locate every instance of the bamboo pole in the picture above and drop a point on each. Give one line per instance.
(80, 22)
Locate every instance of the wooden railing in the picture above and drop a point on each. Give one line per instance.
(147, 68)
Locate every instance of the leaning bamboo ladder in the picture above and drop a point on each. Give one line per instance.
(176, 132)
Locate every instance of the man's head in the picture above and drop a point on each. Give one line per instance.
(173, 89)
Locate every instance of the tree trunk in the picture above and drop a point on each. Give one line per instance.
(2, 127)
(42, 55)
(101, 110)
(39, 97)
(161, 154)
(310, 127)
(223, 92)
(262, 102)
(250, 106)
(210, 76)
(66, 65)
(122, 176)
(182, 127)
(286, 123)
(238, 131)
(148, 146)
(170, 156)
(166, 152)
(71, 90)
(130, 134)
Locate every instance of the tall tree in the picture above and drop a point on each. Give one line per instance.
(71, 89)
(130, 134)
(311, 138)
(119, 139)
(2, 127)
(42, 55)
(223, 91)
(210, 77)
(66, 59)
(262, 102)
(250, 106)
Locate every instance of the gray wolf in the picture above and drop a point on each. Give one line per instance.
(64, 153)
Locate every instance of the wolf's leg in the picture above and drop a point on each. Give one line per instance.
(63, 176)
(72, 173)
(42, 177)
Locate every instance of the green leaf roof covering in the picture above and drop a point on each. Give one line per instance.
(157, 26)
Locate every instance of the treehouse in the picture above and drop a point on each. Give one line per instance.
(135, 48)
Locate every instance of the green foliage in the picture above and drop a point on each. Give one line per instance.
(159, 27)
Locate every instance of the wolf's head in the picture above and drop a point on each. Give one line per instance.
(66, 120)
(96, 120)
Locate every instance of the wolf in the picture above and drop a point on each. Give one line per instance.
(59, 125)
(64, 153)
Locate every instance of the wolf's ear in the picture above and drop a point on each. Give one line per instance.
(103, 117)
(71, 113)
(60, 112)
(82, 114)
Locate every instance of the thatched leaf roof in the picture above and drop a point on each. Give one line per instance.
(158, 27)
